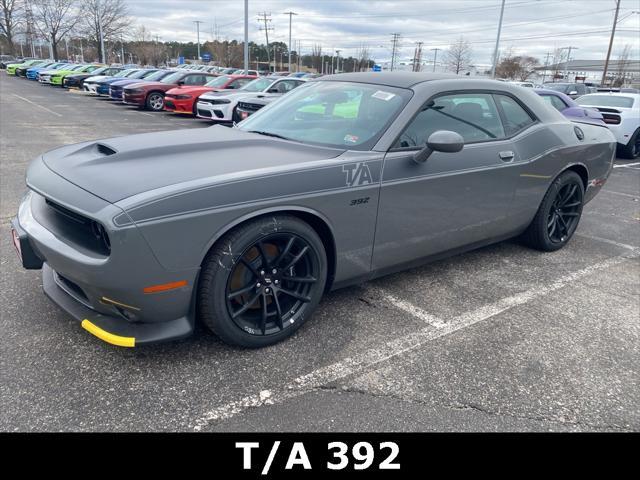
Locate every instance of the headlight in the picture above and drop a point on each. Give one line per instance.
(217, 102)
(134, 90)
(183, 97)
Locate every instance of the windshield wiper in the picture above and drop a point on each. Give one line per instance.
(268, 134)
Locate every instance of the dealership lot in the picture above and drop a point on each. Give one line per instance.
(503, 338)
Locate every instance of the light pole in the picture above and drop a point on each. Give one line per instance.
(103, 58)
(338, 61)
(246, 37)
(291, 14)
(495, 50)
(198, 22)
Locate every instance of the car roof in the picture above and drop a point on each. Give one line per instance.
(392, 79)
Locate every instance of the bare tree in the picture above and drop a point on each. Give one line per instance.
(110, 15)
(10, 16)
(458, 57)
(622, 66)
(363, 54)
(519, 67)
(55, 19)
(316, 57)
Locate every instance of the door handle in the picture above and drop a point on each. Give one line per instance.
(506, 156)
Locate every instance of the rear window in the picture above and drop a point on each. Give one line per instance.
(606, 101)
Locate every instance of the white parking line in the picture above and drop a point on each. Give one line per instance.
(606, 240)
(625, 165)
(37, 105)
(374, 356)
(620, 193)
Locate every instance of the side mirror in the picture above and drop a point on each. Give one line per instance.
(272, 90)
(180, 83)
(444, 141)
(572, 92)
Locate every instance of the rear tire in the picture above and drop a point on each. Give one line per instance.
(262, 280)
(631, 150)
(558, 215)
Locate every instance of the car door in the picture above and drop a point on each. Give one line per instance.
(453, 199)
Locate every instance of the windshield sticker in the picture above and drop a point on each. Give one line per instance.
(386, 96)
(350, 139)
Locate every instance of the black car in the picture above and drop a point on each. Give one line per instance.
(5, 60)
(77, 80)
(22, 71)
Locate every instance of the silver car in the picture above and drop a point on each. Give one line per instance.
(347, 178)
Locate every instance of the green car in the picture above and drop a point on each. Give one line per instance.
(56, 77)
(11, 68)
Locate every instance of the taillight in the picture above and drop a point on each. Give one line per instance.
(611, 119)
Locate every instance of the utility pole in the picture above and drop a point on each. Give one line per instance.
(417, 57)
(495, 50)
(100, 33)
(291, 14)
(338, 61)
(567, 61)
(435, 57)
(546, 63)
(246, 37)
(613, 32)
(266, 18)
(394, 49)
(198, 22)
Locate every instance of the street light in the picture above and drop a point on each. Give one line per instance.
(198, 22)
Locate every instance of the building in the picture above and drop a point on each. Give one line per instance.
(590, 71)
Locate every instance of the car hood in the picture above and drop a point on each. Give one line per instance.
(159, 85)
(188, 90)
(94, 78)
(222, 93)
(121, 82)
(117, 168)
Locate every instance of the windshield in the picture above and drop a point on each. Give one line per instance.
(173, 78)
(337, 114)
(140, 74)
(258, 85)
(126, 73)
(99, 70)
(156, 76)
(606, 101)
(219, 81)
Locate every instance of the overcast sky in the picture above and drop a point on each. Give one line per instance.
(532, 27)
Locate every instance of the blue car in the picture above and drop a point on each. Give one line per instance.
(116, 89)
(102, 87)
(32, 73)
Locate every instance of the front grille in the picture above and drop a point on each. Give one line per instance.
(72, 289)
(204, 113)
(249, 107)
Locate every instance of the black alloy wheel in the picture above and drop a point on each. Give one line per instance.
(262, 281)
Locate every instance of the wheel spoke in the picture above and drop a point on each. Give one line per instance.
(568, 196)
(278, 310)
(247, 264)
(265, 314)
(263, 255)
(285, 252)
(297, 258)
(295, 295)
(569, 214)
(246, 306)
(300, 279)
(563, 224)
(554, 224)
(240, 291)
(571, 205)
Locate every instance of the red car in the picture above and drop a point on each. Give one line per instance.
(183, 98)
(150, 95)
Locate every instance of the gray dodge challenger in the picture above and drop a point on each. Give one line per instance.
(347, 178)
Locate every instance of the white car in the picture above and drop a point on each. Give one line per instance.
(621, 113)
(219, 106)
(523, 84)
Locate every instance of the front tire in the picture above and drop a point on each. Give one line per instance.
(558, 215)
(155, 102)
(262, 281)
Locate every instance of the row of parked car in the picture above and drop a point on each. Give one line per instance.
(219, 95)
(231, 95)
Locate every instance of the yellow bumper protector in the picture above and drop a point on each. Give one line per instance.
(106, 336)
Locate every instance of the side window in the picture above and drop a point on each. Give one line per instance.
(195, 80)
(472, 115)
(581, 89)
(515, 117)
(239, 83)
(286, 86)
(555, 102)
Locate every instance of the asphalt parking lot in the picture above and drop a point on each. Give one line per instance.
(502, 338)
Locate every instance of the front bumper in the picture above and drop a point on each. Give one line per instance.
(136, 99)
(105, 293)
(176, 105)
(218, 113)
(57, 81)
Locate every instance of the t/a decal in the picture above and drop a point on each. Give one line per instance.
(357, 174)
